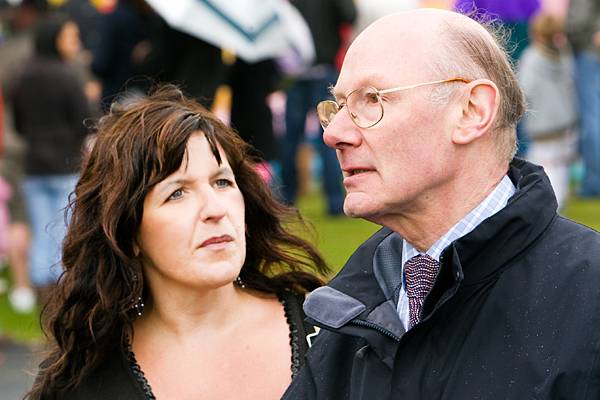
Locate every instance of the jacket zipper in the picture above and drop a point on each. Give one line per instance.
(376, 327)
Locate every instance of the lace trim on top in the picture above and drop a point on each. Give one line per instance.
(138, 373)
(294, 344)
(294, 337)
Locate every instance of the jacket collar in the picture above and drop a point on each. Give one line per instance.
(354, 303)
(505, 235)
(363, 290)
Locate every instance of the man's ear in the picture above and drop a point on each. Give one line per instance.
(479, 110)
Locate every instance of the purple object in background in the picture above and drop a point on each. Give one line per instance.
(506, 10)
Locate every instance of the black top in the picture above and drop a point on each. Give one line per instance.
(49, 109)
(120, 377)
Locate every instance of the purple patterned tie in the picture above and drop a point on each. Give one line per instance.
(419, 273)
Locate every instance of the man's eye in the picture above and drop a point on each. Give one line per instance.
(371, 97)
(223, 183)
(176, 194)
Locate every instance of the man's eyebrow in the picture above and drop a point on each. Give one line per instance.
(331, 90)
(368, 80)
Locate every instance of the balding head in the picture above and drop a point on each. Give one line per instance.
(437, 44)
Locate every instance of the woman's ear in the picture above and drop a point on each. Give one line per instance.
(479, 111)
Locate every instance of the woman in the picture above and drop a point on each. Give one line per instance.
(49, 108)
(180, 280)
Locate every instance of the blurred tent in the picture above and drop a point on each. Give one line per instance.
(254, 30)
(371, 10)
(11, 3)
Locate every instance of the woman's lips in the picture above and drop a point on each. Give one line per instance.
(216, 240)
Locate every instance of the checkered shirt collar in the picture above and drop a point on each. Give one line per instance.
(493, 203)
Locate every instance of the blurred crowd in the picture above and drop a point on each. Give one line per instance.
(64, 62)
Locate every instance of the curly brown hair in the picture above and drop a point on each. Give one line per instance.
(136, 147)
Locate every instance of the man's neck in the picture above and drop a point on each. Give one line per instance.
(432, 219)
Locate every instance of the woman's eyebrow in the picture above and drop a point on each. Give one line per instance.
(166, 185)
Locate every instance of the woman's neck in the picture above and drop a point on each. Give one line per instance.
(182, 314)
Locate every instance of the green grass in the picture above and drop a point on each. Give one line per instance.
(336, 237)
(19, 327)
(586, 212)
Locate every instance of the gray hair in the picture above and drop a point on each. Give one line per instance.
(469, 54)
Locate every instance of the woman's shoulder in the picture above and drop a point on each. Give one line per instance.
(112, 379)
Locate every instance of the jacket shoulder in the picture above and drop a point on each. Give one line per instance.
(582, 238)
(327, 369)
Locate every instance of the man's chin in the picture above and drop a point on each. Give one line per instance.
(359, 206)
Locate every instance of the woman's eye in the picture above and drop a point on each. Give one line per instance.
(176, 194)
(223, 183)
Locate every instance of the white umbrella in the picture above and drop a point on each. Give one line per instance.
(253, 29)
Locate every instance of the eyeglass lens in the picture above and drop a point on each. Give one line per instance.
(363, 105)
(326, 110)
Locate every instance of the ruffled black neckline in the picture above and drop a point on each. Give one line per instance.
(296, 361)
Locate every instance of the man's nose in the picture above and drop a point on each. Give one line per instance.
(341, 132)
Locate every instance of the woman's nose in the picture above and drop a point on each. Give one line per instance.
(213, 208)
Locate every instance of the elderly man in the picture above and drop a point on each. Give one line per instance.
(475, 288)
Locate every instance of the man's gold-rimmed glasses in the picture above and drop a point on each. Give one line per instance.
(364, 105)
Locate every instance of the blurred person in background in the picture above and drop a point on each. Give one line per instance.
(5, 193)
(324, 18)
(87, 15)
(546, 74)
(121, 48)
(15, 49)
(251, 83)
(583, 30)
(49, 108)
(138, 48)
(175, 56)
(181, 279)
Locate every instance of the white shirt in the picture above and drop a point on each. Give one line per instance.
(493, 203)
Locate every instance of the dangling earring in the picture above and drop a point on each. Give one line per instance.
(139, 306)
(238, 281)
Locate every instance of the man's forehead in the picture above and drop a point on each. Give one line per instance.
(393, 51)
(379, 67)
(347, 83)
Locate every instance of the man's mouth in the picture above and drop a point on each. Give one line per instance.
(352, 172)
(358, 171)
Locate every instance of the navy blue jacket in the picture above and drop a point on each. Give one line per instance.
(514, 314)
